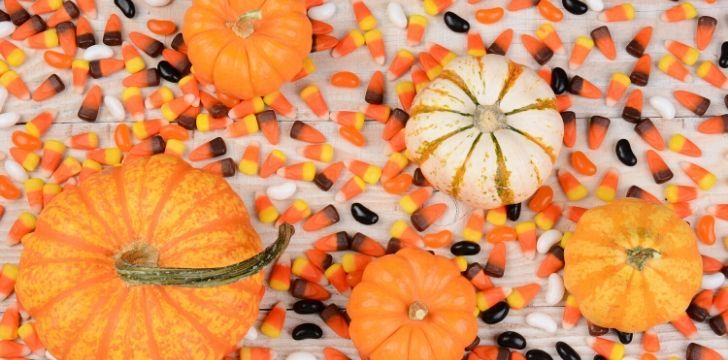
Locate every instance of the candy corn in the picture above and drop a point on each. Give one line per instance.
(685, 53)
(326, 178)
(521, 296)
(264, 208)
(475, 46)
(272, 324)
(332, 316)
(704, 33)
(707, 71)
(598, 126)
(538, 50)
(8, 274)
(607, 189)
(660, 172)
(703, 178)
(550, 38)
(620, 12)
(714, 125)
(485, 299)
(303, 289)
(680, 193)
(23, 225)
(582, 87)
(636, 47)
(609, 349)
(353, 40)
(670, 65)
(604, 43)
(15, 85)
(617, 87)
(304, 132)
(548, 217)
(375, 43)
(572, 314)
(683, 11)
(401, 63)
(640, 75)
(297, 211)
(680, 144)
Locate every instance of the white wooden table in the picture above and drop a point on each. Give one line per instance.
(519, 271)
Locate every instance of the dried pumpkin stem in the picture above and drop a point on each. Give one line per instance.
(417, 311)
(637, 257)
(135, 272)
(244, 25)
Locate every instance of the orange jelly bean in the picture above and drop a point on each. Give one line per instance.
(26, 141)
(345, 79)
(122, 137)
(57, 60)
(489, 16)
(398, 184)
(581, 163)
(174, 131)
(705, 228)
(161, 27)
(438, 239)
(501, 233)
(541, 199)
(8, 190)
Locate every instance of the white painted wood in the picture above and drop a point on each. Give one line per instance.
(519, 271)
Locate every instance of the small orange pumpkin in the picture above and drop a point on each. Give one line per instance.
(632, 264)
(247, 47)
(143, 262)
(412, 305)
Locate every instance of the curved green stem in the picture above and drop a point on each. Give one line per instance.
(135, 273)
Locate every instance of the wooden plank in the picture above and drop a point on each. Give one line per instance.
(519, 271)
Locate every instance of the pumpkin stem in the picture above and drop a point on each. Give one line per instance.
(136, 272)
(489, 118)
(637, 257)
(244, 25)
(417, 311)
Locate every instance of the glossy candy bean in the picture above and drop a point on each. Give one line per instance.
(624, 153)
(575, 7)
(306, 331)
(157, 3)
(168, 72)
(455, 23)
(566, 352)
(559, 80)
(664, 107)
(548, 239)
(98, 52)
(511, 339)
(713, 281)
(127, 7)
(624, 337)
(464, 248)
(537, 354)
(322, 12)
(363, 215)
(161, 27)
(304, 307)
(555, 289)
(396, 15)
(495, 313)
(541, 321)
(723, 60)
(281, 191)
(513, 211)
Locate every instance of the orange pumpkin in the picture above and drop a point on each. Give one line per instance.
(412, 305)
(97, 273)
(247, 47)
(632, 264)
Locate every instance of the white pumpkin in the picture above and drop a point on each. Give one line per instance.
(486, 131)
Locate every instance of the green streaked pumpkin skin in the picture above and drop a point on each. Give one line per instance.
(486, 131)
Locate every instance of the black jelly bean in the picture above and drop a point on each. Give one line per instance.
(363, 215)
(308, 307)
(566, 352)
(596, 330)
(307, 331)
(724, 270)
(625, 154)
(624, 337)
(536, 354)
(456, 23)
(559, 80)
(599, 357)
(513, 211)
(464, 248)
(575, 7)
(418, 178)
(496, 313)
(723, 60)
(511, 339)
(168, 72)
(127, 7)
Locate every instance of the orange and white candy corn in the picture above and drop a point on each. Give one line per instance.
(401, 63)
(621, 12)
(582, 47)
(363, 15)
(682, 11)
(671, 66)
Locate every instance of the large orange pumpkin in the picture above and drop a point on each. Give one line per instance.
(632, 264)
(247, 47)
(412, 305)
(142, 262)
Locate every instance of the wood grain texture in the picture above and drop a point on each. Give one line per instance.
(519, 271)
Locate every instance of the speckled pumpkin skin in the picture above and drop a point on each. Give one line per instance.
(83, 310)
(613, 294)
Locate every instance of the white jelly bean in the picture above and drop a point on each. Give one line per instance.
(3, 97)
(8, 119)
(98, 52)
(301, 355)
(6, 28)
(157, 3)
(115, 107)
(713, 281)
(281, 191)
(396, 14)
(664, 107)
(15, 170)
(548, 239)
(252, 334)
(322, 12)
(595, 5)
(554, 289)
(541, 321)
